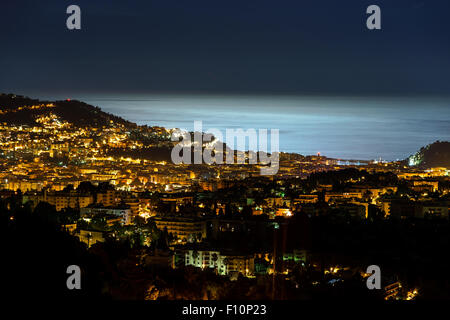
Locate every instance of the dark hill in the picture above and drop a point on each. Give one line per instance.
(436, 154)
(19, 110)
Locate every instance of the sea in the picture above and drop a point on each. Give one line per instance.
(360, 128)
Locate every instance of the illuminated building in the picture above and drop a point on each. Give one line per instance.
(182, 228)
(90, 237)
(123, 212)
(225, 262)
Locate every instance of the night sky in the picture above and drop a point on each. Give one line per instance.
(226, 46)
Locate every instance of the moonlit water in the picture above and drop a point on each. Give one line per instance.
(360, 128)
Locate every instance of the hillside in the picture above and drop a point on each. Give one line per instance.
(436, 154)
(19, 110)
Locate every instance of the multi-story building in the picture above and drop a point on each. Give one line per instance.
(432, 209)
(59, 199)
(74, 200)
(425, 185)
(278, 202)
(124, 212)
(226, 263)
(306, 198)
(90, 237)
(107, 198)
(342, 195)
(182, 227)
(402, 209)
